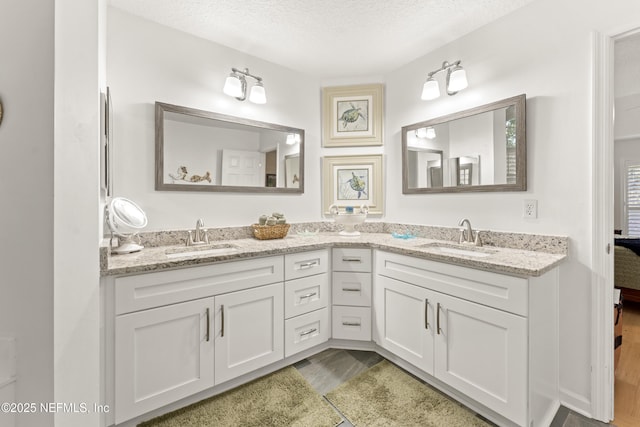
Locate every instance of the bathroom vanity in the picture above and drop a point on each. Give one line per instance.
(481, 328)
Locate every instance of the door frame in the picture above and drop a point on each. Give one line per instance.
(602, 372)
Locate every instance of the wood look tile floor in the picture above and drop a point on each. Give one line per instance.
(327, 370)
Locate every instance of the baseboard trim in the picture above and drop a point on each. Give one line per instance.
(575, 402)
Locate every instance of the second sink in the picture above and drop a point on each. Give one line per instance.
(211, 249)
(453, 249)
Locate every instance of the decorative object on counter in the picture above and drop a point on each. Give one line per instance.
(456, 81)
(405, 236)
(349, 220)
(236, 85)
(350, 180)
(308, 233)
(271, 227)
(352, 115)
(124, 218)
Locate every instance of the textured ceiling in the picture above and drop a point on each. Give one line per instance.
(326, 38)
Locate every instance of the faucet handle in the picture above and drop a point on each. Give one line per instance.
(189, 241)
(478, 240)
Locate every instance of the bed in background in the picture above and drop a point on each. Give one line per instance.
(627, 268)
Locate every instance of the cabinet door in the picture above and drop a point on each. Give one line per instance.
(482, 352)
(249, 330)
(162, 355)
(404, 316)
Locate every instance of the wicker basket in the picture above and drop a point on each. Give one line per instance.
(267, 232)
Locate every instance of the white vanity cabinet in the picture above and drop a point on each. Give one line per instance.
(351, 293)
(249, 331)
(164, 330)
(162, 355)
(473, 331)
(306, 297)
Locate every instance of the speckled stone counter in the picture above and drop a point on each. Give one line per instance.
(514, 254)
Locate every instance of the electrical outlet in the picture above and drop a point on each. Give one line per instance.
(530, 209)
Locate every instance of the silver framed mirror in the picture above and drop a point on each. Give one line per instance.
(198, 150)
(480, 149)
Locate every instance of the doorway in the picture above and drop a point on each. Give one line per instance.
(626, 175)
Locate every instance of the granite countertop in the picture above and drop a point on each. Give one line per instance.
(515, 262)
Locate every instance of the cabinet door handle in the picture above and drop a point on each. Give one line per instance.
(426, 313)
(351, 259)
(310, 331)
(207, 329)
(308, 265)
(309, 295)
(350, 290)
(222, 321)
(438, 319)
(351, 324)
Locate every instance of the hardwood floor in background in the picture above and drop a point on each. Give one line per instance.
(627, 381)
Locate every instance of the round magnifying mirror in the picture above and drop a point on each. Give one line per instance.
(125, 219)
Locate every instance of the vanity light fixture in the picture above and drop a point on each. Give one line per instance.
(429, 133)
(236, 86)
(292, 138)
(456, 81)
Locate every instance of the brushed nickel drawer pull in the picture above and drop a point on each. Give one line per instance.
(351, 324)
(350, 289)
(426, 313)
(222, 322)
(208, 322)
(310, 331)
(351, 259)
(308, 265)
(309, 295)
(438, 319)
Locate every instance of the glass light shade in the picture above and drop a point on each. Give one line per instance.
(430, 133)
(457, 79)
(233, 86)
(258, 95)
(421, 133)
(430, 90)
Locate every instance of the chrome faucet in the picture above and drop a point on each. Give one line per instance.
(466, 235)
(201, 237)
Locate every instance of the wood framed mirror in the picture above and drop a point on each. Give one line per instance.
(480, 149)
(199, 150)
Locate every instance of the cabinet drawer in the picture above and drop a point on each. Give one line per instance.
(306, 331)
(306, 294)
(351, 259)
(503, 292)
(306, 264)
(351, 289)
(351, 323)
(133, 293)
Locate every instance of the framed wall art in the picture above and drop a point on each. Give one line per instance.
(352, 115)
(353, 181)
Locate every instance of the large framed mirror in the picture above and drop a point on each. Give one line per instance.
(481, 149)
(199, 150)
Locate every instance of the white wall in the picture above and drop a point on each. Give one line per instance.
(79, 54)
(147, 62)
(26, 161)
(542, 50)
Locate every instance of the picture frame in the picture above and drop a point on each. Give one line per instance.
(352, 115)
(353, 181)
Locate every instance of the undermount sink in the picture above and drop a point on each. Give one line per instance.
(211, 249)
(470, 251)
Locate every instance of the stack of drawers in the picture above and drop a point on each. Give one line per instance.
(351, 290)
(306, 300)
